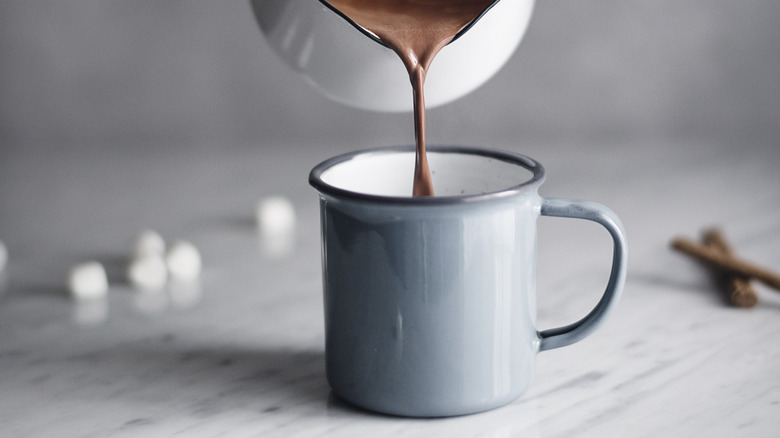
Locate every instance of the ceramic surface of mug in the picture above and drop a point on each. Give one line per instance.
(430, 302)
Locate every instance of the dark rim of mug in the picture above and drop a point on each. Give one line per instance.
(315, 176)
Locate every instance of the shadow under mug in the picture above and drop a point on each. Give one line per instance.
(430, 302)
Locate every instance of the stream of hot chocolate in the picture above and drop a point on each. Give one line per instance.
(416, 30)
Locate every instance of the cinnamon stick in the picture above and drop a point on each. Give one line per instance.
(727, 263)
(740, 292)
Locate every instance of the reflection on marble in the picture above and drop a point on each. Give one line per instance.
(3, 282)
(184, 294)
(240, 352)
(90, 312)
(276, 246)
(152, 302)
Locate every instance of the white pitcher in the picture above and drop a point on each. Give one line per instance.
(351, 68)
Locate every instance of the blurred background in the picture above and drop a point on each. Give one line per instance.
(184, 72)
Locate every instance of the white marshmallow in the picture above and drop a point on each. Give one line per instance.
(3, 256)
(148, 273)
(148, 242)
(275, 215)
(183, 260)
(88, 281)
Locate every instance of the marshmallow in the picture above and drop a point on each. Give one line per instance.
(148, 243)
(88, 281)
(3, 256)
(183, 261)
(148, 272)
(275, 215)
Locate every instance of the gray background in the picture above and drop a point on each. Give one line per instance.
(139, 73)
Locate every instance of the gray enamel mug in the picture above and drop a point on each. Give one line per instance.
(430, 302)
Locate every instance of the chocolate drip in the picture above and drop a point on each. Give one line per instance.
(416, 30)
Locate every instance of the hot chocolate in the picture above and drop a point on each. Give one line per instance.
(416, 30)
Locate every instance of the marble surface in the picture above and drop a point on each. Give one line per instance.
(240, 352)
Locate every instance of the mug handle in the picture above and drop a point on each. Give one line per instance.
(588, 210)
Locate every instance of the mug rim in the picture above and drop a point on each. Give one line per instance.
(316, 181)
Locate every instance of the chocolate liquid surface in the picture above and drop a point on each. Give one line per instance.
(416, 30)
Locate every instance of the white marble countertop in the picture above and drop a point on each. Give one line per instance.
(241, 352)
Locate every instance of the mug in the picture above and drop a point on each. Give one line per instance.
(430, 302)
